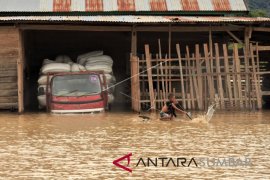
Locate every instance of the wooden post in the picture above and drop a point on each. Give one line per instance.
(135, 83)
(209, 77)
(237, 68)
(163, 84)
(220, 85)
(134, 41)
(228, 77)
(170, 56)
(211, 48)
(257, 89)
(199, 74)
(247, 77)
(158, 77)
(181, 75)
(197, 93)
(166, 75)
(190, 78)
(150, 80)
(235, 86)
(20, 67)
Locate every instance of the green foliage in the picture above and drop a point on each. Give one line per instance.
(259, 8)
(231, 45)
(258, 13)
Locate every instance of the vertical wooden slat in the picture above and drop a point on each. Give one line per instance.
(209, 77)
(150, 80)
(20, 67)
(190, 77)
(181, 74)
(170, 56)
(235, 86)
(238, 76)
(135, 83)
(257, 89)
(228, 77)
(166, 76)
(199, 75)
(247, 76)
(220, 84)
(158, 78)
(163, 84)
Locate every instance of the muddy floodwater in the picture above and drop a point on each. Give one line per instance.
(44, 146)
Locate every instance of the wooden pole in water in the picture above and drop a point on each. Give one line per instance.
(166, 76)
(247, 77)
(258, 94)
(199, 76)
(150, 80)
(20, 67)
(190, 78)
(181, 75)
(220, 84)
(158, 80)
(163, 84)
(228, 77)
(170, 53)
(237, 68)
(209, 77)
(135, 83)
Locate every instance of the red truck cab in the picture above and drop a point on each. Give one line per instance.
(81, 92)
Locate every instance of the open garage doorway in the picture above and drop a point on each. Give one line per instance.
(48, 44)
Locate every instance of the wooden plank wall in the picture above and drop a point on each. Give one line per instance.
(9, 54)
(199, 80)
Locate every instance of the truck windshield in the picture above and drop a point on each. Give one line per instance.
(76, 85)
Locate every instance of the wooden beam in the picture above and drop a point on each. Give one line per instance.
(187, 29)
(75, 28)
(261, 48)
(234, 37)
(20, 67)
(261, 29)
(178, 28)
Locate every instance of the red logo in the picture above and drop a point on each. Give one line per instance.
(117, 161)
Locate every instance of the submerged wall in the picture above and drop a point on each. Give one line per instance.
(9, 54)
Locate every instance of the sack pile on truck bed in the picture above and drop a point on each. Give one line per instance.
(92, 61)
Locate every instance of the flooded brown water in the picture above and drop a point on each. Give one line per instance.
(44, 146)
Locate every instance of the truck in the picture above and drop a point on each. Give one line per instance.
(76, 92)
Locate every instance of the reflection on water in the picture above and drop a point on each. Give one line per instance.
(34, 146)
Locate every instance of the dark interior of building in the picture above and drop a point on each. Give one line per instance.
(49, 44)
(40, 45)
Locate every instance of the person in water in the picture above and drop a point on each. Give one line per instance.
(168, 110)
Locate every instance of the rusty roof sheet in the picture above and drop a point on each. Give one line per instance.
(134, 19)
(120, 5)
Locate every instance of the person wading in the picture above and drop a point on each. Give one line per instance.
(168, 110)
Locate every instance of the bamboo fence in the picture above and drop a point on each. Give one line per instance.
(229, 78)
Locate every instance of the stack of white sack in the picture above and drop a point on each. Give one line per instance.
(61, 64)
(97, 61)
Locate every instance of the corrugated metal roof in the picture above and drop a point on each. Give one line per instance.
(134, 19)
(120, 5)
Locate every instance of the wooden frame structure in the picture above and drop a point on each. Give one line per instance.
(215, 78)
(198, 80)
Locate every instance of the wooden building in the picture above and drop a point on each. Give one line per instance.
(204, 51)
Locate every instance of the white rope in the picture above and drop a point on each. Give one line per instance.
(134, 76)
